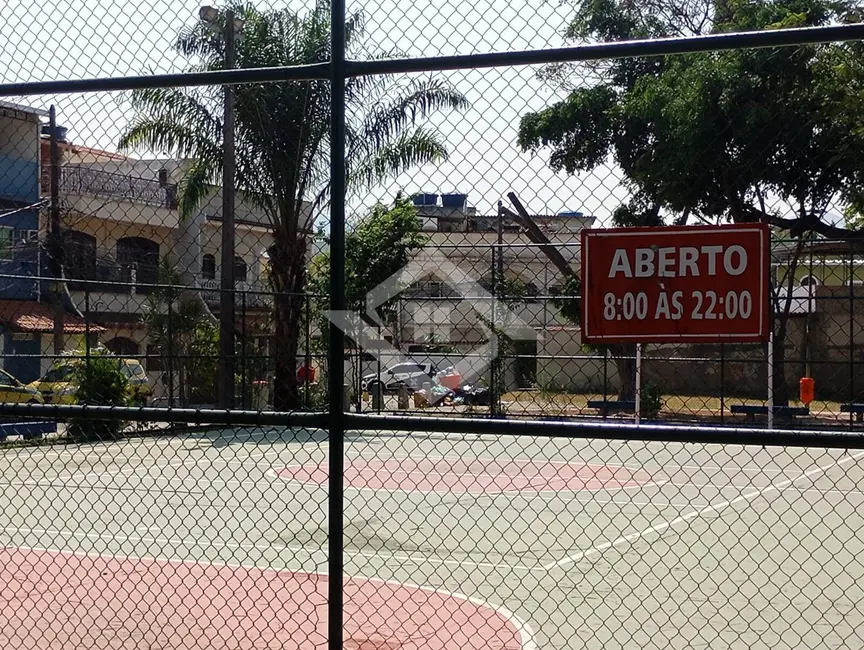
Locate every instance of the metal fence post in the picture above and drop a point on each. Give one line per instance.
(87, 324)
(336, 376)
(244, 392)
(170, 348)
(722, 383)
(851, 333)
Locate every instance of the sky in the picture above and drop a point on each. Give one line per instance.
(71, 39)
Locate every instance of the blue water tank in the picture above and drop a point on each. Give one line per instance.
(570, 213)
(454, 200)
(425, 199)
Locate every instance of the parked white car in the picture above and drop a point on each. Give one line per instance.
(412, 375)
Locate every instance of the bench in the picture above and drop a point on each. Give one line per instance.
(612, 406)
(752, 410)
(854, 407)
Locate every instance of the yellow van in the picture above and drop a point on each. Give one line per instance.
(57, 387)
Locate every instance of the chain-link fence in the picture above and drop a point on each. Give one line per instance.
(291, 323)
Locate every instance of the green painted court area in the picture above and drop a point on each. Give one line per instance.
(219, 540)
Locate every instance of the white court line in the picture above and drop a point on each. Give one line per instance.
(627, 539)
(446, 490)
(526, 633)
(598, 463)
(728, 486)
(125, 470)
(197, 542)
(589, 500)
(844, 493)
(733, 468)
(718, 486)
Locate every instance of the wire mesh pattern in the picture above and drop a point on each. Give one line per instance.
(218, 539)
(292, 349)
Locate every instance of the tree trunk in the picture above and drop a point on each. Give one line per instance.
(626, 364)
(288, 277)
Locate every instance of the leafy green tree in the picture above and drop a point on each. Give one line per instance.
(99, 381)
(744, 136)
(182, 329)
(282, 139)
(378, 246)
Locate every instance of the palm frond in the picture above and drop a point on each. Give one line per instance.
(183, 108)
(384, 122)
(196, 185)
(412, 149)
(162, 134)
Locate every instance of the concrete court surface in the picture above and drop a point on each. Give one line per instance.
(218, 540)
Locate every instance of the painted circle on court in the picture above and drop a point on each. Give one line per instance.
(90, 601)
(472, 476)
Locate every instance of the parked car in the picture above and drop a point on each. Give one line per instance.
(14, 392)
(57, 387)
(412, 375)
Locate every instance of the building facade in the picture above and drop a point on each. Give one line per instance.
(26, 319)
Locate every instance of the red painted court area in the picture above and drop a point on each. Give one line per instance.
(58, 600)
(471, 476)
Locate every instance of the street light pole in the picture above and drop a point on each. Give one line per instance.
(226, 301)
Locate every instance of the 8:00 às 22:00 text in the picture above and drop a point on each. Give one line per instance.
(670, 306)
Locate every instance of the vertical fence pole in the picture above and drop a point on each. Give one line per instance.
(722, 383)
(226, 280)
(605, 380)
(55, 245)
(336, 376)
(244, 379)
(771, 377)
(170, 349)
(493, 368)
(308, 356)
(850, 275)
(638, 382)
(87, 325)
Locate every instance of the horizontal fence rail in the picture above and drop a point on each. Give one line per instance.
(291, 330)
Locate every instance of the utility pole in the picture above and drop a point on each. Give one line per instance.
(226, 302)
(55, 246)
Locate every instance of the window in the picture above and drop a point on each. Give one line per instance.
(6, 380)
(133, 370)
(208, 267)
(240, 270)
(405, 368)
(142, 255)
(121, 346)
(7, 238)
(63, 373)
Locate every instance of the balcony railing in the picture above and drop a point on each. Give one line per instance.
(254, 293)
(83, 179)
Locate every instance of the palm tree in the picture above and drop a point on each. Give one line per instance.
(282, 140)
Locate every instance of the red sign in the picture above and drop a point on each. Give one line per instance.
(697, 284)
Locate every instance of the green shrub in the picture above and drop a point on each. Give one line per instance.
(314, 397)
(651, 401)
(99, 381)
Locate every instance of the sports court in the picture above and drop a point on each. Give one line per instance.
(218, 540)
